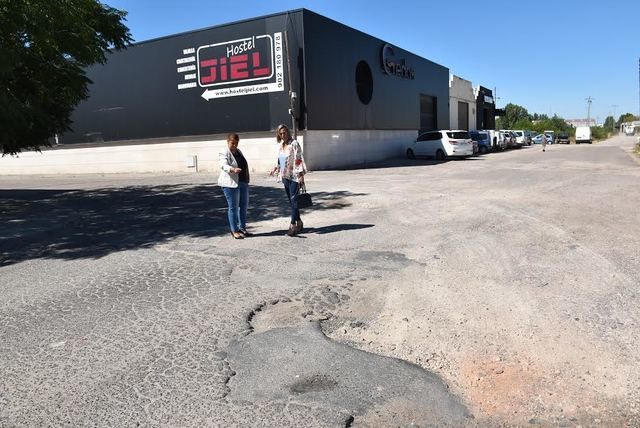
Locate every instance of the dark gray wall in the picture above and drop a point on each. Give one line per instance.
(136, 96)
(332, 52)
(485, 112)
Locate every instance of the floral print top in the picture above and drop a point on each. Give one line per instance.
(293, 165)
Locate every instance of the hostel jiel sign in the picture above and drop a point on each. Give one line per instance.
(247, 66)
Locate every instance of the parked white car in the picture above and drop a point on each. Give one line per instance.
(520, 137)
(441, 145)
(509, 137)
(497, 140)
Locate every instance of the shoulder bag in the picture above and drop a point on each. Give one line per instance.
(304, 199)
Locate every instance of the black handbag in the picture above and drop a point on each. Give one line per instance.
(304, 199)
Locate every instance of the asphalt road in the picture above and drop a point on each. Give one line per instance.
(499, 290)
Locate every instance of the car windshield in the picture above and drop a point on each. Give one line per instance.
(459, 135)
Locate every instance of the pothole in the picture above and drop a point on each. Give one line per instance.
(278, 315)
(311, 305)
(314, 383)
(300, 364)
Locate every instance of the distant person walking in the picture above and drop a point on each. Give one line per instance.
(234, 180)
(544, 142)
(290, 169)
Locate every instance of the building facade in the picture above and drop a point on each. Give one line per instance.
(581, 122)
(485, 108)
(462, 104)
(167, 104)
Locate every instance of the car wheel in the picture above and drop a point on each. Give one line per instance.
(410, 154)
(440, 155)
(483, 150)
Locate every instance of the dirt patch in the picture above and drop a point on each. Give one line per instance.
(500, 388)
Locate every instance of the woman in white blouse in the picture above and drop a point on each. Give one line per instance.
(234, 180)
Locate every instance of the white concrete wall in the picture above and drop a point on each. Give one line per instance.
(340, 148)
(322, 149)
(162, 157)
(461, 90)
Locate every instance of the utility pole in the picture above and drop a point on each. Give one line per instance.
(495, 104)
(589, 100)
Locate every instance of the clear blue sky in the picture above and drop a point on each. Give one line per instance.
(547, 56)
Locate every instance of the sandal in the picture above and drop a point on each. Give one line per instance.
(244, 232)
(237, 235)
(299, 226)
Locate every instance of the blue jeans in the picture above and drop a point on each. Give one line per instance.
(291, 188)
(238, 202)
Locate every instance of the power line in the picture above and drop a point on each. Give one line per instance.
(589, 101)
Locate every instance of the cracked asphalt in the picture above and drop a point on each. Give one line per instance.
(501, 290)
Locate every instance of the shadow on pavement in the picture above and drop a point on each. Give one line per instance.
(73, 224)
(336, 228)
(404, 162)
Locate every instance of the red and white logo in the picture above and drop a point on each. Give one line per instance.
(244, 66)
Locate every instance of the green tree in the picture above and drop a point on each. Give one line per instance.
(523, 124)
(513, 113)
(555, 123)
(627, 117)
(46, 46)
(609, 123)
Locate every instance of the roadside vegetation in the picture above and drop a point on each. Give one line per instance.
(517, 117)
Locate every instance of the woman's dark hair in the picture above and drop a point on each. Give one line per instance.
(233, 136)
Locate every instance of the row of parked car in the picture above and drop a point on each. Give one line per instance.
(458, 143)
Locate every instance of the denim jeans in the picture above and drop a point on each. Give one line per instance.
(238, 202)
(291, 188)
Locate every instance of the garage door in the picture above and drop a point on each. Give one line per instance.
(428, 113)
(463, 115)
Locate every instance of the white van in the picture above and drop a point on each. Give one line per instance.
(583, 134)
(441, 144)
(497, 143)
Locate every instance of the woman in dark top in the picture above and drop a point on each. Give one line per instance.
(234, 180)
